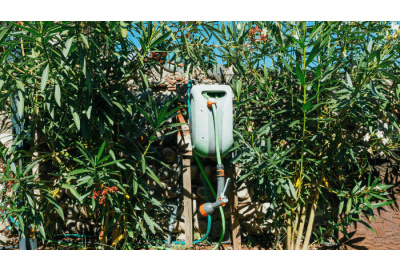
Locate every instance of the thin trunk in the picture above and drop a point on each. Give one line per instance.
(289, 231)
(296, 221)
(301, 225)
(104, 240)
(310, 224)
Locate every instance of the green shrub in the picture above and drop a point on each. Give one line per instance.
(310, 125)
(72, 82)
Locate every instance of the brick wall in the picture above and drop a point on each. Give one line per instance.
(386, 223)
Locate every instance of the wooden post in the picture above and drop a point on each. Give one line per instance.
(233, 204)
(187, 201)
(185, 151)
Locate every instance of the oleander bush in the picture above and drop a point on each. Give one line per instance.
(309, 126)
(67, 85)
(315, 104)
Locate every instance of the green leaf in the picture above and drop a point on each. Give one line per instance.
(369, 46)
(84, 40)
(84, 180)
(100, 152)
(306, 106)
(348, 206)
(147, 117)
(365, 224)
(53, 201)
(287, 65)
(292, 190)
(160, 39)
(20, 102)
(111, 163)
(315, 50)
(144, 80)
(341, 204)
(75, 116)
(4, 32)
(143, 165)
(66, 49)
(78, 171)
(45, 77)
(294, 122)
(105, 96)
(73, 191)
(349, 80)
(153, 176)
(29, 168)
(164, 110)
(57, 94)
(300, 75)
(149, 222)
(391, 76)
(376, 205)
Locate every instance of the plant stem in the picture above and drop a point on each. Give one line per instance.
(296, 221)
(289, 231)
(104, 240)
(301, 225)
(310, 223)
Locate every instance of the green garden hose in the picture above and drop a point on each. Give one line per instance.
(206, 178)
(219, 161)
(215, 195)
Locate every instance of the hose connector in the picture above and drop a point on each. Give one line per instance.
(211, 101)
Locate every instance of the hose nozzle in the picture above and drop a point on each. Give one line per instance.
(208, 208)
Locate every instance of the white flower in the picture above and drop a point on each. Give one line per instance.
(239, 26)
(296, 36)
(367, 137)
(379, 134)
(385, 126)
(264, 32)
(385, 141)
(370, 150)
(395, 26)
(344, 54)
(377, 188)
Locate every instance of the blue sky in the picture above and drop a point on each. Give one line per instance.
(213, 40)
